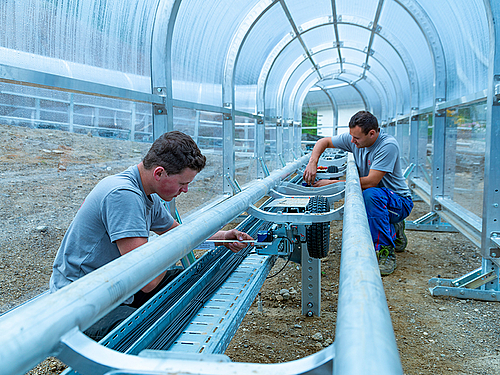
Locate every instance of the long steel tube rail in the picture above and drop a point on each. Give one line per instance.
(51, 325)
(364, 337)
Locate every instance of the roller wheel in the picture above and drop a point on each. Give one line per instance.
(318, 234)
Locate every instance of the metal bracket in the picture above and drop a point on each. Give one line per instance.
(430, 222)
(264, 166)
(160, 109)
(408, 170)
(466, 286)
(233, 183)
(280, 156)
(495, 238)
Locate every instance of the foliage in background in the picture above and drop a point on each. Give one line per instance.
(310, 120)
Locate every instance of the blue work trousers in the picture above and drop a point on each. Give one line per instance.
(383, 209)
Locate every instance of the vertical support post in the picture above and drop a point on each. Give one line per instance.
(311, 284)
(196, 126)
(290, 139)
(438, 150)
(260, 148)
(422, 135)
(279, 142)
(286, 146)
(297, 131)
(414, 146)
(491, 194)
(450, 155)
(228, 147)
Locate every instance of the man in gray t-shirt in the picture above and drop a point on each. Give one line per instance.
(118, 214)
(385, 192)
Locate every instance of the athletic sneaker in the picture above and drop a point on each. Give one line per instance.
(386, 260)
(401, 241)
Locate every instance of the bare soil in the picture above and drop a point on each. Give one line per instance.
(46, 174)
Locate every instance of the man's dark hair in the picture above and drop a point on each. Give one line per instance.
(174, 151)
(365, 120)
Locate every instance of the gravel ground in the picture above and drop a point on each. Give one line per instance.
(46, 174)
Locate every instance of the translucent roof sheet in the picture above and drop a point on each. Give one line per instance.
(398, 55)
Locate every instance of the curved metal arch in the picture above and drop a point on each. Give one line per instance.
(387, 100)
(161, 63)
(403, 56)
(280, 105)
(233, 52)
(300, 93)
(360, 93)
(396, 84)
(424, 22)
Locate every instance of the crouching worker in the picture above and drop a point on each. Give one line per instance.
(385, 192)
(118, 214)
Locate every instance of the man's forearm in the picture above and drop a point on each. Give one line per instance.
(318, 149)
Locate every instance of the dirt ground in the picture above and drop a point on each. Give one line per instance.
(46, 174)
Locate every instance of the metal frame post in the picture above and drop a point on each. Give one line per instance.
(228, 147)
(311, 283)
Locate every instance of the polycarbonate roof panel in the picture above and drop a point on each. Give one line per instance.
(254, 52)
(304, 73)
(351, 32)
(374, 98)
(359, 8)
(346, 96)
(202, 35)
(396, 61)
(302, 11)
(293, 107)
(274, 25)
(353, 56)
(409, 34)
(465, 39)
(324, 35)
(327, 57)
(385, 74)
(99, 33)
(316, 99)
(283, 66)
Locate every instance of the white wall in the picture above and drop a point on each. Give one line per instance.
(326, 120)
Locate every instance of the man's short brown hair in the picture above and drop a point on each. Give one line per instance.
(365, 120)
(174, 151)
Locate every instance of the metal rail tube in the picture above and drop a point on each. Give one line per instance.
(364, 337)
(33, 331)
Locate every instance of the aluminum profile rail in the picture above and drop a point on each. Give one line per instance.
(34, 331)
(364, 337)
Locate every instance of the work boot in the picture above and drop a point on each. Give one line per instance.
(386, 260)
(401, 241)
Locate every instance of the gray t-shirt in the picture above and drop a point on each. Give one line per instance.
(382, 156)
(116, 208)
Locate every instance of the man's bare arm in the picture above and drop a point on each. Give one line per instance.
(312, 167)
(372, 180)
(128, 244)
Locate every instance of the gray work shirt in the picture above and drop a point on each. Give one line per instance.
(382, 156)
(116, 208)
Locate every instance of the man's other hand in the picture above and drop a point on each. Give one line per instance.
(310, 172)
(236, 235)
(320, 183)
